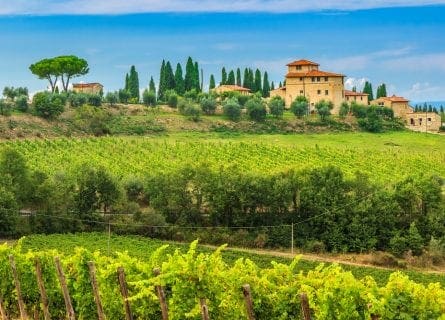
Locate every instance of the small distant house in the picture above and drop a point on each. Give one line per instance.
(231, 88)
(358, 97)
(90, 88)
(399, 105)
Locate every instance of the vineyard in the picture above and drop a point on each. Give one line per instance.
(192, 285)
(125, 156)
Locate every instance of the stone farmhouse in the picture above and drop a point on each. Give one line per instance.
(89, 88)
(230, 88)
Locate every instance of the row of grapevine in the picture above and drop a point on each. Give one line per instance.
(185, 279)
(140, 156)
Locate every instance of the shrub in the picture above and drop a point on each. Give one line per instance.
(315, 246)
(94, 100)
(191, 95)
(48, 105)
(208, 105)
(5, 108)
(192, 111)
(300, 106)
(92, 119)
(344, 110)
(276, 106)
(372, 122)
(77, 99)
(359, 110)
(171, 98)
(242, 99)
(324, 108)
(111, 98)
(21, 103)
(232, 109)
(398, 245)
(256, 110)
(149, 98)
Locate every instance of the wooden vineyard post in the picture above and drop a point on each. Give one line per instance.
(161, 295)
(249, 302)
(23, 314)
(124, 293)
(305, 307)
(43, 295)
(94, 284)
(66, 295)
(204, 309)
(3, 310)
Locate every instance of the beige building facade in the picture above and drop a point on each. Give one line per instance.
(358, 97)
(399, 105)
(89, 88)
(304, 78)
(231, 88)
(423, 121)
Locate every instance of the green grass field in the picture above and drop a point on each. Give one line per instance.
(142, 248)
(384, 157)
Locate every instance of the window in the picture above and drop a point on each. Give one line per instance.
(298, 67)
(326, 92)
(318, 91)
(318, 79)
(326, 79)
(313, 79)
(420, 121)
(411, 121)
(361, 98)
(301, 78)
(429, 119)
(301, 92)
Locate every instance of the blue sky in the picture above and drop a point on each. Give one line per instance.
(398, 42)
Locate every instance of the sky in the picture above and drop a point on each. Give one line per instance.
(398, 42)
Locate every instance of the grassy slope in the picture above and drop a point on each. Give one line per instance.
(143, 247)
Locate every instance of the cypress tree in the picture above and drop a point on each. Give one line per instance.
(246, 78)
(212, 82)
(179, 80)
(151, 86)
(223, 76)
(196, 83)
(189, 74)
(161, 87)
(133, 83)
(126, 82)
(266, 85)
(231, 78)
(272, 86)
(257, 81)
(280, 85)
(169, 76)
(381, 91)
(238, 77)
(430, 108)
(368, 89)
(354, 89)
(425, 107)
(441, 108)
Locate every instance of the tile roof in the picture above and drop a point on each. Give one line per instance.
(394, 98)
(352, 93)
(313, 73)
(302, 62)
(86, 85)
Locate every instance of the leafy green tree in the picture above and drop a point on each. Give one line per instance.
(123, 95)
(111, 98)
(5, 108)
(14, 174)
(223, 76)
(324, 108)
(231, 78)
(9, 213)
(179, 80)
(232, 109)
(276, 106)
(344, 110)
(368, 89)
(212, 82)
(300, 106)
(381, 91)
(70, 67)
(48, 105)
(192, 111)
(133, 84)
(415, 241)
(21, 103)
(257, 81)
(208, 105)
(238, 77)
(256, 109)
(48, 69)
(266, 85)
(372, 122)
(9, 93)
(149, 98)
(172, 98)
(77, 99)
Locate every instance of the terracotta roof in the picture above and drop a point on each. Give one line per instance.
(234, 87)
(313, 73)
(280, 88)
(302, 62)
(352, 93)
(86, 85)
(394, 98)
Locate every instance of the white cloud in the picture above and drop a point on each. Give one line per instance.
(424, 91)
(359, 83)
(138, 6)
